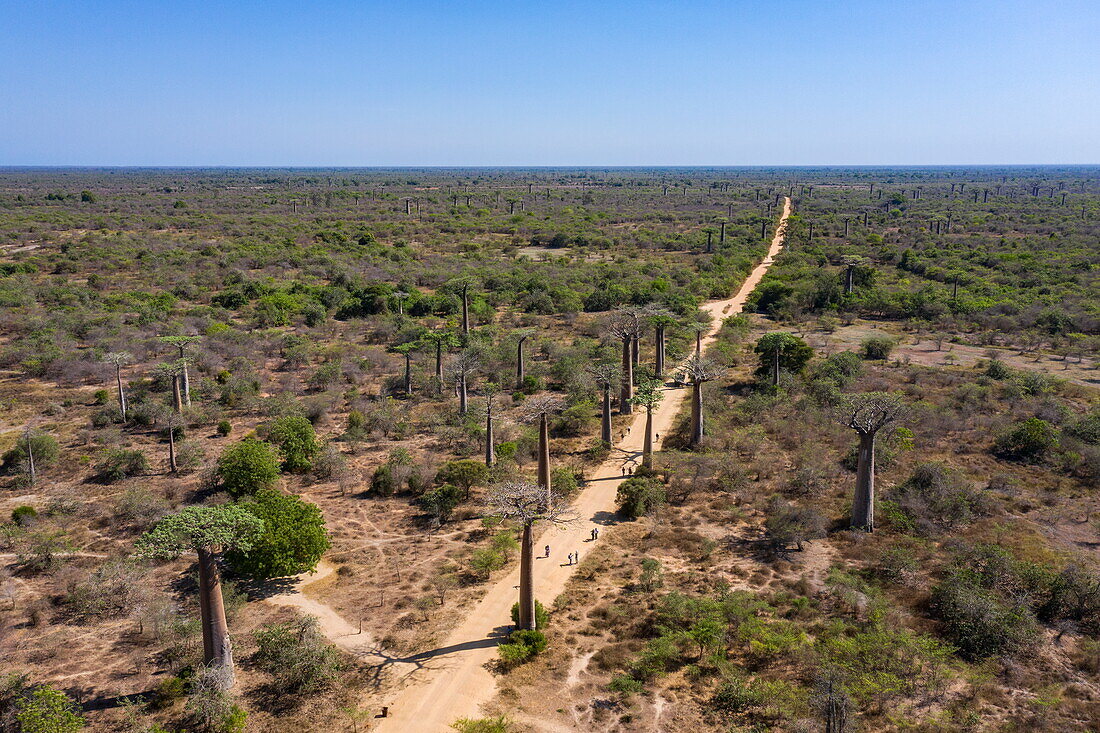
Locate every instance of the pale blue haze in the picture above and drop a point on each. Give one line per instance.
(549, 83)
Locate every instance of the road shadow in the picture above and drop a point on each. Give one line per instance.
(259, 590)
(384, 661)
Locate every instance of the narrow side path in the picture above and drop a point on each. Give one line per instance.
(453, 681)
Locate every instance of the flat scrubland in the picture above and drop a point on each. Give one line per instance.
(730, 593)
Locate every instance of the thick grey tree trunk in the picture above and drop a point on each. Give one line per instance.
(659, 365)
(408, 375)
(605, 415)
(647, 443)
(185, 383)
(172, 447)
(177, 396)
(527, 578)
(439, 365)
(465, 312)
(521, 371)
(490, 449)
(544, 457)
(696, 413)
(863, 506)
(849, 280)
(121, 392)
(463, 402)
(626, 388)
(217, 649)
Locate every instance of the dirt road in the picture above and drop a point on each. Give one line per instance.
(452, 682)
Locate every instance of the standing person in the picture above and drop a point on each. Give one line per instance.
(595, 533)
(548, 551)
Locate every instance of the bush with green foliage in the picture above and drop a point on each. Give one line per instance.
(23, 515)
(876, 348)
(440, 502)
(248, 466)
(43, 447)
(120, 463)
(465, 474)
(224, 428)
(46, 710)
(292, 541)
(1028, 441)
(297, 441)
(522, 645)
(936, 498)
(639, 495)
(499, 724)
(297, 656)
(542, 616)
(980, 621)
(794, 353)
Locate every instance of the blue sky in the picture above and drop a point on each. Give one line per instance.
(549, 83)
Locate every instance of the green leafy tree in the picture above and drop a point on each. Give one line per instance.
(441, 502)
(781, 351)
(248, 466)
(297, 441)
(47, 710)
(639, 495)
(464, 474)
(206, 531)
(292, 541)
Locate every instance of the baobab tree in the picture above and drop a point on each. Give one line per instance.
(867, 414)
(526, 503)
(604, 374)
(625, 325)
(172, 421)
(490, 389)
(462, 286)
(406, 350)
(521, 372)
(699, 371)
(537, 410)
(171, 372)
(699, 329)
(206, 531)
(661, 320)
(439, 340)
(649, 396)
(463, 365)
(118, 359)
(182, 343)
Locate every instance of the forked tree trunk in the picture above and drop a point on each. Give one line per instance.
(527, 578)
(659, 346)
(217, 649)
(863, 506)
(626, 388)
(647, 442)
(696, 413)
(605, 415)
(121, 392)
(544, 457)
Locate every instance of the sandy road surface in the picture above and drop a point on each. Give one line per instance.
(452, 681)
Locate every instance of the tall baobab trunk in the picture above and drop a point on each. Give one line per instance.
(659, 347)
(172, 447)
(185, 383)
(696, 413)
(177, 397)
(863, 506)
(699, 343)
(121, 392)
(527, 578)
(626, 387)
(465, 311)
(647, 442)
(217, 649)
(544, 457)
(775, 368)
(721, 233)
(605, 415)
(710, 237)
(463, 402)
(521, 372)
(849, 279)
(490, 449)
(635, 349)
(439, 365)
(408, 375)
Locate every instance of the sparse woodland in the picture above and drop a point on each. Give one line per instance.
(262, 428)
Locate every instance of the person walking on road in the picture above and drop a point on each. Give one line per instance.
(548, 551)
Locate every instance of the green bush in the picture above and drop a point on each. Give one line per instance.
(169, 691)
(381, 482)
(1028, 441)
(297, 656)
(101, 396)
(47, 710)
(499, 724)
(794, 353)
(542, 616)
(224, 428)
(23, 515)
(465, 474)
(978, 620)
(296, 439)
(441, 502)
(876, 348)
(120, 463)
(522, 645)
(292, 541)
(639, 495)
(44, 448)
(248, 466)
